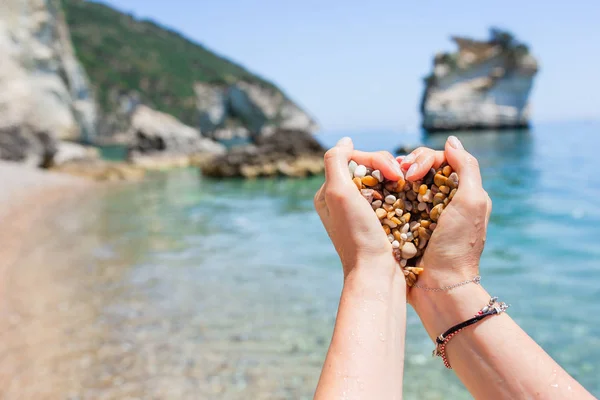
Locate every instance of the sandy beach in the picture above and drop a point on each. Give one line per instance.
(31, 202)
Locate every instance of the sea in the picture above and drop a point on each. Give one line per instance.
(188, 287)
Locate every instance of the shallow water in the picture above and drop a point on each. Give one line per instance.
(183, 287)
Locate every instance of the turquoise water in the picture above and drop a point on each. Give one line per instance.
(229, 288)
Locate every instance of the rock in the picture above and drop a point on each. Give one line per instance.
(43, 88)
(26, 145)
(159, 140)
(408, 250)
(286, 153)
(485, 85)
(100, 170)
(211, 101)
(360, 171)
(264, 109)
(67, 152)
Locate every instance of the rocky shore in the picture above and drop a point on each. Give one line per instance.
(484, 85)
(51, 111)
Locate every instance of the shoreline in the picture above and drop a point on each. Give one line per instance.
(29, 197)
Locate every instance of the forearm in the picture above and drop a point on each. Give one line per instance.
(366, 355)
(494, 358)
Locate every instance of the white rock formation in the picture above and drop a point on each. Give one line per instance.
(68, 152)
(211, 101)
(159, 133)
(485, 85)
(258, 109)
(43, 88)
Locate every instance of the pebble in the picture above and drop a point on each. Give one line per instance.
(367, 194)
(436, 211)
(369, 180)
(447, 170)
(424, 233)
(438, 198)
(408, 211)
(439, 180)
(390, 199)
(377, 175)
(452, 193)
(453, 180)
(360, 171)
(390, 223)
(428, 196)
(409, 250)
(405, 228)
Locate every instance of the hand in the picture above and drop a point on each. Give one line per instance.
(455, 247)
(348, 218)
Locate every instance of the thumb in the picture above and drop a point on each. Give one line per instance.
(465, 165)
(336, 163)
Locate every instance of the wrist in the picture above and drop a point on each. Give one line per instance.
(440, 310)
(378, 275)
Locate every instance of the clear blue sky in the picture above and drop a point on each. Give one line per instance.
(358, 65)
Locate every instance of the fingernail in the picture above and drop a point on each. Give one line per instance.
(409, 158)
(345, 141)
(454, 142)
(396, 167)
(413, 169)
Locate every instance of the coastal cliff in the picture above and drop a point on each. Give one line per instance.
(484, 85)
(140, 75)
(133, 61)
(44, 91)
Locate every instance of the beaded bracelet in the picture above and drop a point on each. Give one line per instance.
(492, 308)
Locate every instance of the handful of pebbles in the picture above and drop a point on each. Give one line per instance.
(408, 211)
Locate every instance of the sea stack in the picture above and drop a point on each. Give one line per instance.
(483, 85)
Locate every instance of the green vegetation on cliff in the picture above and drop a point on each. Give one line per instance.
(123, 54)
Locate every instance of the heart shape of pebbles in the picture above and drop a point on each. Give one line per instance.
(408, 211)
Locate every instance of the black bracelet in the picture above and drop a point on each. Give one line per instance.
(492, 308)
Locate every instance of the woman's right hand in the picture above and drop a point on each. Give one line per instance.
(455, 247)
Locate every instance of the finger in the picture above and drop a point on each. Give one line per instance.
(409, 159)
(381, 160)
(424, 162)
(465, 165)
(319, 199)
(336, 163)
